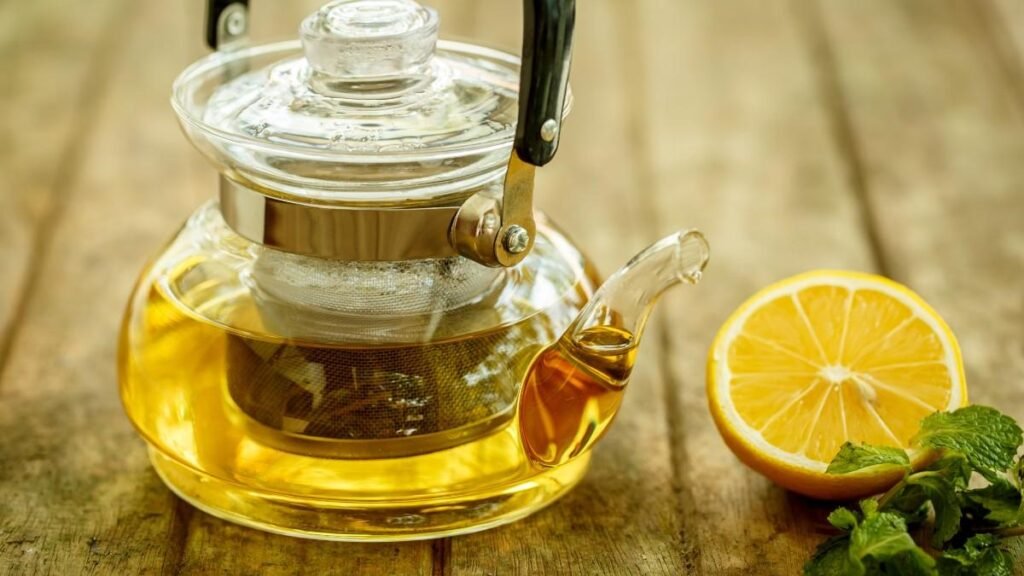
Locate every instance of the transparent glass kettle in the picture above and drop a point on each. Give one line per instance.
(370, 334)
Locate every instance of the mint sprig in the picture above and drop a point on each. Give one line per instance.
(960, 528)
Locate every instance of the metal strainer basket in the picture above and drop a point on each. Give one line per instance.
(392, 389)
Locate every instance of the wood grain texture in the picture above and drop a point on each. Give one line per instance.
(83, 497)
(875, 135)
(79, 499)
(53, 63)
(738, 141)
(941, 133)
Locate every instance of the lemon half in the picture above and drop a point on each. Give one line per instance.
(826, 357)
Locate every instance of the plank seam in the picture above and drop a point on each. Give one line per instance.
(67, 167)
(811, 30)
(440, 550)
(675, 411)
(999, 37)
(174, 561)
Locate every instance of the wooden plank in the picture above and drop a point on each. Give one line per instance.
(621, 518)
(942, 134)
(739, 141)
(87, 501)
(731, 133)
(53, 63)
(84, 500)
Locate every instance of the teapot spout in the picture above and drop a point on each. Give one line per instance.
(573, 389)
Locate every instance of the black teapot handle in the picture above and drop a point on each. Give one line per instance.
(544, 80)
(227, 21)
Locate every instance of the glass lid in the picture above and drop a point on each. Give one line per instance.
(370, 106)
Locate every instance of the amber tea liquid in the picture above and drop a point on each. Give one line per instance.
(572, 393)
(175, 385)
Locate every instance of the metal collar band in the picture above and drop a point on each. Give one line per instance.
(338, 232)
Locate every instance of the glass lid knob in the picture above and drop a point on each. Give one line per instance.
(369, 39)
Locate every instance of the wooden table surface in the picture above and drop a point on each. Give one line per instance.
(877, 135)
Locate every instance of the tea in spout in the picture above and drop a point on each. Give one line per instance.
(574, 387)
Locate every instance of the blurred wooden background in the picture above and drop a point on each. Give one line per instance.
(883, 135)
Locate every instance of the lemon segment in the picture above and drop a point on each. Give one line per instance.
(828, 357)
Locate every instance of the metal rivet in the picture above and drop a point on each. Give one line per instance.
(516, 239)
(235, 24)
(549, 130)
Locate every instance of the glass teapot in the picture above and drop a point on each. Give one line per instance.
(371, 335)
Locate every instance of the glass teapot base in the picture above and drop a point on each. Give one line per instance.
(390, 425)
(325, 518)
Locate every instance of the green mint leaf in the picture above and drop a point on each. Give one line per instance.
(953, 467)
(1000, 502)
(843, 519)
(881, 540)
(945, 502)
(868, 507)
(987, 438)
(911, 503)
(832, 558)
(980, 556)
(934, 488)
(854, 457)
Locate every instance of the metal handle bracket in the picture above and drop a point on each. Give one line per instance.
(500, 231)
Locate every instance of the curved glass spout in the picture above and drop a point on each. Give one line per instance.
(573, 389)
